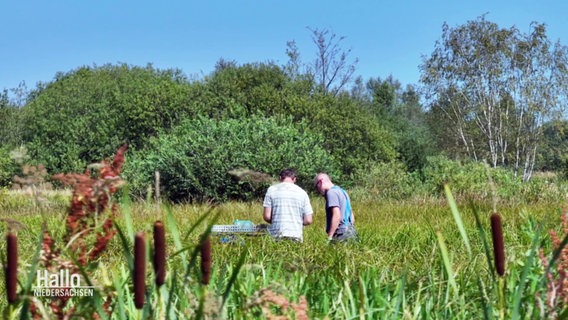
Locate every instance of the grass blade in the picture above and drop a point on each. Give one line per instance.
(521, 287)
(171, 295)
(31, 275)
(487, 309)
(446, 260)
(457, 218)
(125, 248)
(483, 237)
(121, 310)
(400, 297)
(173, 228)
(233, 278)
(199, 221)
(126, 209)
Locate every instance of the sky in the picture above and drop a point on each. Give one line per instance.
(41, 38)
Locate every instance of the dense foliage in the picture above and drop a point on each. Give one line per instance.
(10, 130)
(8, 168)
(206, 159)
(87, 113)
(554, 156)
(351, 133)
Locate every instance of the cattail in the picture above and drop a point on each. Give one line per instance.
(159, 253)
(498, 243)
(12, 267)
(205, 260)
(139, 269)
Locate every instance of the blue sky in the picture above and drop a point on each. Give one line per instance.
(40, 38)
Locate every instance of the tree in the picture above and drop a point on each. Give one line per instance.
(10, 124)
(331, 70)
(6, 113)
(87, 113)
(351, 133)
(497, 87)
(554, 155)
(400, 110)
(384, 94)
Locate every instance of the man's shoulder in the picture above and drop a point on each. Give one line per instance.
(277, 185)
(335, 190)
(286, 186)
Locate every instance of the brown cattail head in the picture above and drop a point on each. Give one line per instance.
(12, 267)
(159, 253)
(139, 269)
(206, 260)
(498, 243)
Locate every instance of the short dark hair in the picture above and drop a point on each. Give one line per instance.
(288, 173)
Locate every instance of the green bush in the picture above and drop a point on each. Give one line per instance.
(546, 187)
(86, 114)
(470, 178)
(8, 167)
(382, 181)
(351, 133)
(197, 158)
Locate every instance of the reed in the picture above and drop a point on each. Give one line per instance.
(139, 276)
(12, 268)
(205, 249)
(498, 243)
(159, 253)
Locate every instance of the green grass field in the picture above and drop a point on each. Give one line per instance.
(412, 262)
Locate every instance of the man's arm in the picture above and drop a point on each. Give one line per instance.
(267, 214)
(335, 215)
(308, 219)
(308, 211)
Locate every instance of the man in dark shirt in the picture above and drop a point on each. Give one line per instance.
(339, 214)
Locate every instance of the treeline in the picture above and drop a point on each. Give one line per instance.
(225, 135)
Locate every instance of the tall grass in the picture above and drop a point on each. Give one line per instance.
(427, 259)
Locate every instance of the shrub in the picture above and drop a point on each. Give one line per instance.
(472, 179)
(197, 159)
(8, 167)
(545, 187)
(351, 133)
(386, 181)
(85, 114)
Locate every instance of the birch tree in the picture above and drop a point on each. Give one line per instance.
(497, 87)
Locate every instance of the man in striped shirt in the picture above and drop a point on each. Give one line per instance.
(287, 208)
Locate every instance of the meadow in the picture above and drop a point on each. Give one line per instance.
(428, 258)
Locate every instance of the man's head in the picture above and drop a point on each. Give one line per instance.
(322, 183)
(288, 175)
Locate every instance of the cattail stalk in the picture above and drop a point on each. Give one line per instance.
(157, 188)
(159, 253)
(498, 243)
(12, 267)
(139, 269)
(206, 260)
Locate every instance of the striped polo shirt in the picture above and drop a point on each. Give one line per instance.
(289, 204)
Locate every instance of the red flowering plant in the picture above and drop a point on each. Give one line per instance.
(557, 274)
(89, 228)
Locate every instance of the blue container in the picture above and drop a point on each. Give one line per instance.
(244, 223)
